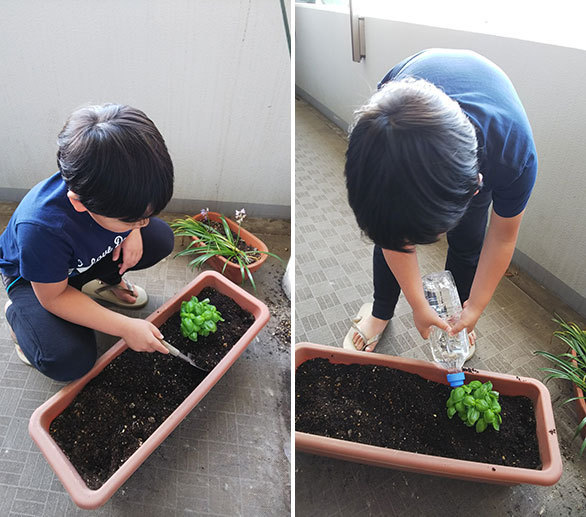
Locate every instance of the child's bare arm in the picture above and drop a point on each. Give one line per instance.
(406, 270)
(495, 257)
(68, 303)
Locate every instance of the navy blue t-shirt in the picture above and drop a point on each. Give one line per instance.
(506, 150)
(47, 240)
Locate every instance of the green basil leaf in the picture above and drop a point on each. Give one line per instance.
(468, 401)
(481, 425)
(481, 405)
(458, 394)
(472, 415)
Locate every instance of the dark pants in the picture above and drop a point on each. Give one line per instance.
(58, 348)
(464, 246)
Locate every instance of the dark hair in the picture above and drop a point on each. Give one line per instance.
(116, 161)
(411, 166)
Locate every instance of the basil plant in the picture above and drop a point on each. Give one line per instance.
(198, 318)
(476, 404)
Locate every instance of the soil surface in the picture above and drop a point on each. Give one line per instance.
(119, 409)
(408, 413)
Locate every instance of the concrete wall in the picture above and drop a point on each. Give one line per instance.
(214, 75)
(550, 81)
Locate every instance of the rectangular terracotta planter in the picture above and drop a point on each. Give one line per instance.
(232, 270)
(41, 419)
(436, 465)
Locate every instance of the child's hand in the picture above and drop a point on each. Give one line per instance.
(132, 247)
(143, 336)
(468, 319)
(425, 317)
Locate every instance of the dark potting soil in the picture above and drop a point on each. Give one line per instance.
(390, 408)
(120, 408)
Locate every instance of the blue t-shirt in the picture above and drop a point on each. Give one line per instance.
(47, 240)
(506, 150)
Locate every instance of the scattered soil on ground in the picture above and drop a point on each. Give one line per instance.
(120, 408)
(390, 408)
(279, 306)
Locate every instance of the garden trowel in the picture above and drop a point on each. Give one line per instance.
(176, 353)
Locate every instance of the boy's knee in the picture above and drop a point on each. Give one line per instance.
(161, 237)
(68, 365)
(168, 240)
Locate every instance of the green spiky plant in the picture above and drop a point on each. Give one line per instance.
(568, 366)
(212, 242)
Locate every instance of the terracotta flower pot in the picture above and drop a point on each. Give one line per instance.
(436, 465)
(41, 419)
(232, 270)
(581, 403)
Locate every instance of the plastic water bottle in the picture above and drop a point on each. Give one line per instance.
(449, 351)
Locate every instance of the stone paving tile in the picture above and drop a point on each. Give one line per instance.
(511, 329)
(226, 458)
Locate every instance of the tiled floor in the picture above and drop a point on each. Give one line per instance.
(230, 456)
(333, 279)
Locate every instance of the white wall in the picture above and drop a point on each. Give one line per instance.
(551, 82)
(214, 76)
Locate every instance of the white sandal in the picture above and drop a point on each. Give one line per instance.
(102, 291)
(472, 347)
(365, 310)
(19, 351)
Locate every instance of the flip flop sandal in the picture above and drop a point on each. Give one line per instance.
(365, 310)
(472, 347)
(19, 351)
(101, 291)
(21, 355)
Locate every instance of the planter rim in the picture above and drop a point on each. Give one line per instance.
(41, 419)
(460, 469)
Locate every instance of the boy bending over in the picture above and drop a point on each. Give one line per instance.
(76, 233)
(444, 137)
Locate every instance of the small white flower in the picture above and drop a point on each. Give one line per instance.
(239, 215)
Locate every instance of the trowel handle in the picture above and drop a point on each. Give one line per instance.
(170, 347)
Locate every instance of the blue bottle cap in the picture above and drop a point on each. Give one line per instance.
(456, 379)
